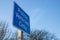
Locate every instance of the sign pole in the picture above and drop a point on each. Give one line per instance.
(20, 35)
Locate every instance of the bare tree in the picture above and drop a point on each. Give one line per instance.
(3, 30)
(14, 36)
(40, 35)
(5, 33)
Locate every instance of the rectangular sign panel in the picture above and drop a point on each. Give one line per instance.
(21, 19)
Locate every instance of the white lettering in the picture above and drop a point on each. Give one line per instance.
(22, 25)
(22, 13)
(17, 15)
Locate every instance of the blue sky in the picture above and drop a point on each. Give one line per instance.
(44, 14)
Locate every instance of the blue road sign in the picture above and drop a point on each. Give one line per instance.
(21, 19)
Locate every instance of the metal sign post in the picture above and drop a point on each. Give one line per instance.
(20, 35)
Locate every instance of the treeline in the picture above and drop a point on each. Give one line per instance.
(6, 34)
